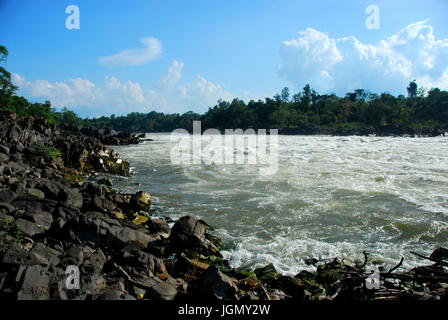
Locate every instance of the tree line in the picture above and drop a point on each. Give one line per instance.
(419, 111)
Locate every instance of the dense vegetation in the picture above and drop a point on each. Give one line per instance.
(303, 112)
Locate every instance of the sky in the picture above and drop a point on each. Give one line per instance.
(176, 56)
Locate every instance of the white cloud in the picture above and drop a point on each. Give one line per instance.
(173, 75)
(343, 64)
(67, 93)
(135, 57)
(202, 93)
(121, 97)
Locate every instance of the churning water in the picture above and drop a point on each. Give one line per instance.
(331, 196)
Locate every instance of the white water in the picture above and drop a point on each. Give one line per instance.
(332, 196)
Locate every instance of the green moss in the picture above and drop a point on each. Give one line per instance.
(9, 233)
(47, 151)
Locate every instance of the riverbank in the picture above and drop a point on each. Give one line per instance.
(57, 213)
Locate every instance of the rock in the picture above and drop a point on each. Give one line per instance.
(439, 254)
(216, 284)
(4, 158)
(96, 229)
(7, 196)
(188, 232)
(6, 206)
(18, 256)
(140, 201)
(71, 197)
(36, 193)
(142, 262)
(29, 228)
(105, 181)
(35, 285)
(4, 149)
(115, 295)
(158, 226)
(158, 290)
(267, 273)
(42, 219)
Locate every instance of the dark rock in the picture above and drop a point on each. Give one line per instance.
(6, 206)
(158, 226)
(97, 229)
(29, 228)
(188, 232)
(216, 284)
(4, 158)
(4, 149)
(71, 197)
(7, 196)
(115, 295)
(140, 201)
(105, 181)
(267, 273)
(18, 256)
(41, 218)
(36, 193)
(142, 262)
(35, 285)
(158, 290)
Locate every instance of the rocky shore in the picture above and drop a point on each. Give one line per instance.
(56, 214)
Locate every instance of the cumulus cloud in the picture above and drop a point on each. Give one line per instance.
(67, 93)
(173, 75)
(135, 57)
(343, 64)
(203, 92)
(121, 97)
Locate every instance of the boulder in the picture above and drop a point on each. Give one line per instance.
(7, 196)
(157, 289)
(189, 233)
(140, 201)
(158, 226)
(29, 228)
(35, 285)
(216, 284)
(36, 193)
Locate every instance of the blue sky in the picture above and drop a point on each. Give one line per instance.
(175, 56)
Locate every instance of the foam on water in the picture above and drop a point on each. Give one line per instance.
(332, 196)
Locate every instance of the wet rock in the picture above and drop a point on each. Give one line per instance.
(267, 273)
(141, 201)
(105, 182)
(189, 233)
(216, 284)
(439, 254)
